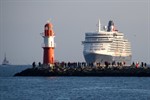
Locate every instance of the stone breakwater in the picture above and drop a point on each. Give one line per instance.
(86, 71)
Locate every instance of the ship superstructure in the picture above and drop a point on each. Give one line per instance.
(106, 45)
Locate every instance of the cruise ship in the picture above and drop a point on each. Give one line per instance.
(107, 44)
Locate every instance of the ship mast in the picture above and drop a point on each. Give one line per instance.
(99, 26)
(5, 59)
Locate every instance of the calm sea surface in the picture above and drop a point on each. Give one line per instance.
(72, 88)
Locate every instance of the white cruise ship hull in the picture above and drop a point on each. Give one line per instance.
(107, 45)
(101, 58)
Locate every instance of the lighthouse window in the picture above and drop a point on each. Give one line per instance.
(46, 28)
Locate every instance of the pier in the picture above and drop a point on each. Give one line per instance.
(84, 69)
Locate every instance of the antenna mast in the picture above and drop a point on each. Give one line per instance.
(99, 25)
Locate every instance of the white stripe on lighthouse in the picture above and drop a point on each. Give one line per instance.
(49, 41)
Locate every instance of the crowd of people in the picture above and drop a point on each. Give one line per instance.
(84, 64)
(88, 69)
(137, 64)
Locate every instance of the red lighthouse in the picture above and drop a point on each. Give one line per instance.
(49, 45)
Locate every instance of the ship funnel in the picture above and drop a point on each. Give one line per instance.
(110, 26)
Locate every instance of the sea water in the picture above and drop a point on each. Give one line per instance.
(74, 88)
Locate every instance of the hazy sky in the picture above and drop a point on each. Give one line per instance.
(22, 21)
